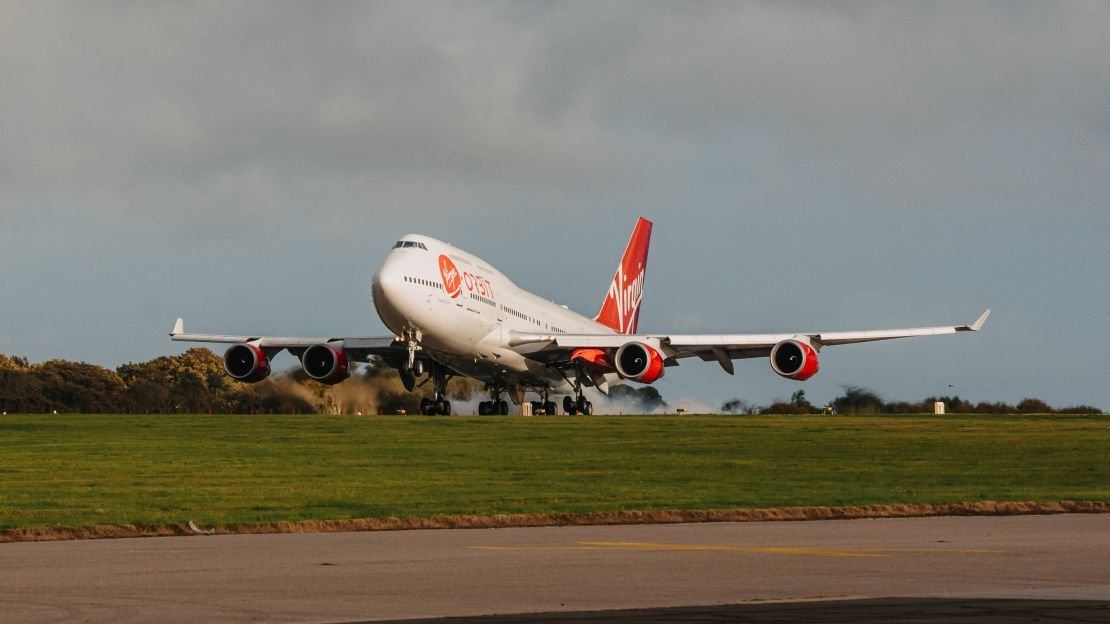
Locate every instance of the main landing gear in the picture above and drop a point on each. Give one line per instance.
(543, 406)
(579, 404)
(496, 406)
(439, 405)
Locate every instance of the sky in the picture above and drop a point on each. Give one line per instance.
(808, 166)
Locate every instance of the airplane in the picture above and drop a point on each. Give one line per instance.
(452, 314)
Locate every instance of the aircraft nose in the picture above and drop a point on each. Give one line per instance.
(386, 289)
(386, 281)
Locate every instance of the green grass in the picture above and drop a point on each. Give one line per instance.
(83, 470)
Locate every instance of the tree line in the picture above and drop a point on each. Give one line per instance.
(195, 382)
(857, 400)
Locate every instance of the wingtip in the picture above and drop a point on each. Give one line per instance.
(978, 324)
(178, 327)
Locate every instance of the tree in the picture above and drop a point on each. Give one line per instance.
(799, 399)
(79, 387)
(1033, 406)
(14, 363)
(21, 391)
(737, 406)
(858, 401)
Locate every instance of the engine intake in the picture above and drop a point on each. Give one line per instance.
(326, 364)
(247, 363)
(794, 359)
(639, 362)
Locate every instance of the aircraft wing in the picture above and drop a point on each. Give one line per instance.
(715, 347)
(357, 348)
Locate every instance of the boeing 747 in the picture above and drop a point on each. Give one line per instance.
(452, 313)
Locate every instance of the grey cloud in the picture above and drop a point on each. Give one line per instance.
(102, 94)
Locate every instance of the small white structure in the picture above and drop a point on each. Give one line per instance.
(938, 408)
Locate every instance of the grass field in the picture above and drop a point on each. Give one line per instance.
(83, 470)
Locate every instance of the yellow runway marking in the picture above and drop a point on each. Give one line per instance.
(787, 551)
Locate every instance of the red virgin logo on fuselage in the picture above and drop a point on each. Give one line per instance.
(452, 279)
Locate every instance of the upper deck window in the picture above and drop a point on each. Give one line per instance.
(408, 244)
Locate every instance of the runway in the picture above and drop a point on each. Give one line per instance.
(734, 568)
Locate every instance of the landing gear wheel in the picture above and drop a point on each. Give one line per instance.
(568, 406)
(425, 407)
(483, 408)
(549, 408)
(583, 406)
(444, 408)
(503, 408)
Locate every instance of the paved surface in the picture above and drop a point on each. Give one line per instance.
(345, 577)
(874, 611)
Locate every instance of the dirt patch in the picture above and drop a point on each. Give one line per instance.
(986, 508)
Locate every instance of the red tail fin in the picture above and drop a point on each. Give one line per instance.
(621, 309)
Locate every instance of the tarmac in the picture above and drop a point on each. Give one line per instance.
(1012, 568)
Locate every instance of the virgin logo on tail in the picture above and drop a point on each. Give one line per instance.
(452, 279)
(621, 309)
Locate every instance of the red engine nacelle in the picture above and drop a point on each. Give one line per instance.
(639, 362)
(794, 359)
(326, 364)
(246, 362)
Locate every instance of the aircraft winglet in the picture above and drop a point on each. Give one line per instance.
(978, 324)
(178, 328)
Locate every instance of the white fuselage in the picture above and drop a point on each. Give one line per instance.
(462, 310)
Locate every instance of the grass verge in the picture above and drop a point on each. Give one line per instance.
(93, 475)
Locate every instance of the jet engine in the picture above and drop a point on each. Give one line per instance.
(794, 359)
(639, 362)
(326, 364)
(246, 362)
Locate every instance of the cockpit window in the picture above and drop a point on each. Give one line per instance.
(410, 244)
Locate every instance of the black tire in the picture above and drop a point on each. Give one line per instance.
(503, 408)
(549, 408)
(445, 408)
(568, 405)
(483, 408)
(425, 407)
(589, 408)
(581, 405)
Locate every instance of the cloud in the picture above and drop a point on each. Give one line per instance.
(218, 111)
